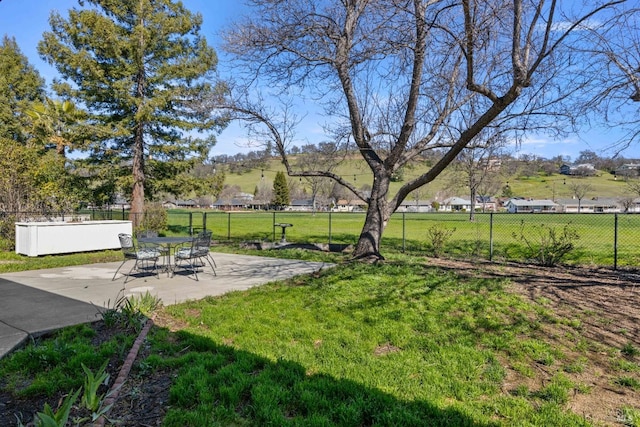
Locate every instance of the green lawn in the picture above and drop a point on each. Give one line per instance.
(595, 245)
(400, 343)
(395, 344)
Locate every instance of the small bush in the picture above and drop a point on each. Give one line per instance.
(155, 217)
(548, 246)
(7, 232)
(438, 236)
(130, 312)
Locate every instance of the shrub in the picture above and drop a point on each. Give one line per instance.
(7, 232)
(547, 245)
(438, 237)
(155, 217)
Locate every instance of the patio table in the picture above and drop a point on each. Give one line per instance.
(167, 242)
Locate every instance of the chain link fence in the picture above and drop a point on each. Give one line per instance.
(611, 240)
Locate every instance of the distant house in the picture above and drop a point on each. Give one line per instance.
(344, 205)
(300, 205)
(232, 204)
(491, 164)
(530, 206)
(120, 203)
(628, 169)
(455, 204)
(486, 203)
(595, 205)
(415, 206)
(582, 169)
(169, 204)
(634, 206)
(186, 203)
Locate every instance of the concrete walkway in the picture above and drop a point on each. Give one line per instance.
(39, 301)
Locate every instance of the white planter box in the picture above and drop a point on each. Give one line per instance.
(43, 238)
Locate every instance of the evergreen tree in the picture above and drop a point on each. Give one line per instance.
(20, 86)
(280, 191)
(146, 75)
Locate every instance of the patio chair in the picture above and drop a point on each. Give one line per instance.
(145, 258)
(147, 233)
(208, 235)
(193, 254)
(150, 234)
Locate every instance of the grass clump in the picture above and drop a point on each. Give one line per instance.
(53, 365)
(629, 416)
(12, 262)
(627, 381)
(630, 350)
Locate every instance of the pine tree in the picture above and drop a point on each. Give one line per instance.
(146, 75)
(280, 191)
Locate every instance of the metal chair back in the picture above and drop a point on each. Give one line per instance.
(147, 233)
(203, 241)
(127, 246)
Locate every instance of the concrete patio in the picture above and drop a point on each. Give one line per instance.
(38, 301)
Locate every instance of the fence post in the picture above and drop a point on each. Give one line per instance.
(615, 241)
(204, 221)
(228, 226)
(273, 223)
(491, 236)
(329, 226)
(404, 240)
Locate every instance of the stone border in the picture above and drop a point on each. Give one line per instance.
(114, 392)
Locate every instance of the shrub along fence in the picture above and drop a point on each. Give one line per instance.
(586, 239)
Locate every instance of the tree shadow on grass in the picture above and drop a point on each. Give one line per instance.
(220, 385)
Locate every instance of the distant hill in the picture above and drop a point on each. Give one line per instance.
(539, 186)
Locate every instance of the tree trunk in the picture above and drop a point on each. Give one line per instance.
(378, 214)
(137, 192)
(472, 205)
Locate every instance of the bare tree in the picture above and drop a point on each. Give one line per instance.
(397, 77)
(616, 47)
(633, 187)
(580, 190)
(627, 203)
(263, 193)
(475, 164)
(228, 193)
(324, 156)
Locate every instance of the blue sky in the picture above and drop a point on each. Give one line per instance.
(26, 20)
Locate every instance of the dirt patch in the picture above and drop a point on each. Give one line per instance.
(383, 350)
(144, 396)
(602, 304)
